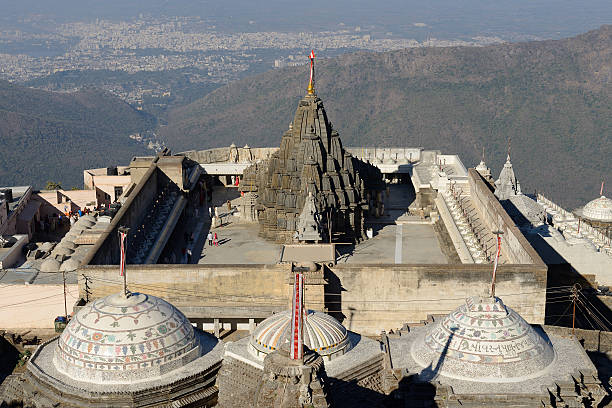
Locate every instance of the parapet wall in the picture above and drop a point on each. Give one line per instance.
(199, 291)
(515, 247)
(367, 298)
(375, 297)
(230, 154)
(105, 251)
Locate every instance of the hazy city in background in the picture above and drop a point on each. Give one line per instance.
(159, 54)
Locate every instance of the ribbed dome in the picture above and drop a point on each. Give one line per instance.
(322, 333)
(599, 209)
(483, 340)
(117, 340)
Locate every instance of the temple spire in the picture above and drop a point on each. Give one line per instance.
(311, 89)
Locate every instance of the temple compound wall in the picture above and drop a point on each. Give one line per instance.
(366, 298)
(517, 249)
(159, 188)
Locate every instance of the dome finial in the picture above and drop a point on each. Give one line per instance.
(311, 89)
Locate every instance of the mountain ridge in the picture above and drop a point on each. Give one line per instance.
(52, 136)
(551, 99)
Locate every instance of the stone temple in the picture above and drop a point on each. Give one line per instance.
(311, 159)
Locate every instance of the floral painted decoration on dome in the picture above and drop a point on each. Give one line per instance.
(126, 333)
(481, 340)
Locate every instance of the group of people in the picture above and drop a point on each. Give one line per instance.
(213, 239)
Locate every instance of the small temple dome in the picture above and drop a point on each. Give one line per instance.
(483, 340)
(322, 333)
(599, 209)
(70, 265)
(66, 244)
(50, 265)
(121, 339)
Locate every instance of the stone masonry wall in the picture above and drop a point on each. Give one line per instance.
(105, 251)
(514, 245)
(366, 298)
(369, 298)
(199, 291)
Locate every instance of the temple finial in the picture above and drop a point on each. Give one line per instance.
(311, 89)
(509, 146)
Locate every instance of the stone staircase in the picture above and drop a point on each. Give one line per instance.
(142, 240)
(479, 239)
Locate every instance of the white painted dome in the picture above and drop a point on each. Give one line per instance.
(322, 333)
(119, 339)
(483, 340)
(599, 209)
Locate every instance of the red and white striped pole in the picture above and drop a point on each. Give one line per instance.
(297, 314)
(498, 234)
(123, 232)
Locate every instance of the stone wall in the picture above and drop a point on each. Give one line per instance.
(369, 298)
(199, 291)
(515, 247)
(106, 249)
(591, 340)
(366, 298)
(230, 154)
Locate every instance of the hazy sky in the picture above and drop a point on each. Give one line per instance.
(546, 18)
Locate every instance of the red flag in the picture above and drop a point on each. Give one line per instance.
(312, 54)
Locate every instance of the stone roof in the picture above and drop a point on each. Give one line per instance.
(483, 340)
(121, 339)
(524, 210)
(322, 333)
(506, 185)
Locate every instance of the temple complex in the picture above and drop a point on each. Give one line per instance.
(311, 160)
(314, 275)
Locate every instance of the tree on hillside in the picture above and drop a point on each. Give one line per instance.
(53, 185)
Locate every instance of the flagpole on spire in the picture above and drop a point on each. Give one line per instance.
(601, 189)
(311, 89)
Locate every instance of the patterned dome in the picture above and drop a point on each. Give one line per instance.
(483, 340)
(119, 339)
(599, 209)
(322, 333)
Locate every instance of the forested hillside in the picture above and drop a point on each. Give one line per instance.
(55, 136)
(551, 98)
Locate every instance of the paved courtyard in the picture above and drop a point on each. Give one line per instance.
(239, 244)
(401, 243)
(398, 237)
